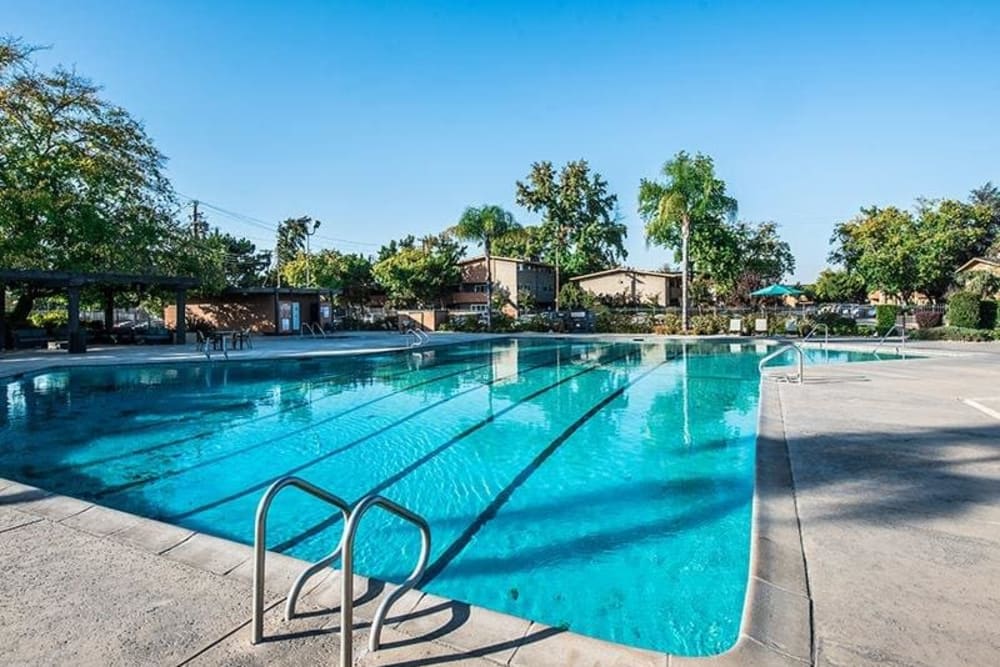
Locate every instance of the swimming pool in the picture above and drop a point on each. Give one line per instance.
(600, 486)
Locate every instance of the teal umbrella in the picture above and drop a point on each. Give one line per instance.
(777, 290)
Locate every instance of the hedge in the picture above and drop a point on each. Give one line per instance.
(885, 318)
(963, 310)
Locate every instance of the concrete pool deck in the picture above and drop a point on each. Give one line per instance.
(893, 480)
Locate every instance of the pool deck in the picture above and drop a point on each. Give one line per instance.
(876, 540)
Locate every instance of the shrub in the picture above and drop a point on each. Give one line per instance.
(609, 322)
(706, 325)
(837, 324)
(668, 324)
(987, 314)
(927, 319)
(885, 318)
(955, 334)
(49, 320)
(963, 310)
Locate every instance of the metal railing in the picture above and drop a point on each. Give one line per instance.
(313, 329)
(826, 334)
(902, 338)
(419, 336)
(260, 549)
(347, 574)
(345, 550)
(780, 351)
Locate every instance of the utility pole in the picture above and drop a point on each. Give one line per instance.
(197, 224)
(309, 232)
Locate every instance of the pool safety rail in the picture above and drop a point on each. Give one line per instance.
(420, 337)
(345, 550)
(779, 352)
(902, 339)
(313, 329)
(826, 334)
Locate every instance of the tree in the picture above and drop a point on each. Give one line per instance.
(420, 274)
(580, 229)
(482, 225)
(82, 186)
(293, 239)
(759, 257)
(527, 243)
(840, 286)
(323, 269)
(690, 201)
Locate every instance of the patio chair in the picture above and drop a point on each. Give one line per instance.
(736, 326)
(760, 326)
(245, 338)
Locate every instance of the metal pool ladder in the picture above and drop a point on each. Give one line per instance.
(345, 549)
(902, 339)
(419, 335)
(780, 351)
(826, 334)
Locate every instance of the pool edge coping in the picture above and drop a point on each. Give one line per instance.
(776, 622)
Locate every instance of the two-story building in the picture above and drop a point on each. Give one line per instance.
(633, 287)
(524, 285)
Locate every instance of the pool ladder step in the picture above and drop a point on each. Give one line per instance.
(345, 550)
(781, 349)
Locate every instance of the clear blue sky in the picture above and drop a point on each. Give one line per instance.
(387, 118)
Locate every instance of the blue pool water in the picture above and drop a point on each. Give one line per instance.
(600, 486)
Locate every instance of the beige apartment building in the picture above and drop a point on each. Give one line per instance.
(514, 278)
(625, 286)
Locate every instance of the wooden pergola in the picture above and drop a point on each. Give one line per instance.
(73, 282)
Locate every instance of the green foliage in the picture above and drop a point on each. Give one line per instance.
(82, 187)
(482, 225)
(420, 275)
(326, 269)
(839, 286)
(963, 310)
(528, 243)
(291, 240)
(836, 324)
(984, 283)
(902, 253)
(955, 334)
(618, 322)
(706, 325)
(571, 296)
(885, 318)
(668, 324)
(49, 320)
(580, 231)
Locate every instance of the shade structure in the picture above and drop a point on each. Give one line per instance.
(777, 290)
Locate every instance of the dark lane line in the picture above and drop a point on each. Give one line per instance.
(389, 481)
(294, 406)
(263, 485)
(504, 496)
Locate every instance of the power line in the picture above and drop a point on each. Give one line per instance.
(257, 222)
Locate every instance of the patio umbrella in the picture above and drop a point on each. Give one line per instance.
(777, 290)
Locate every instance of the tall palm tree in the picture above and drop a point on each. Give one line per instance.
(691, 195)
(482, 225)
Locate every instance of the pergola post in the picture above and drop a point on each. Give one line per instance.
(3, 317)
(180, 327)
(109, 310)
(77, 342)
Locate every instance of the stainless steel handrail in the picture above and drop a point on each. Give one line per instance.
(902, 337)
(780, 351)
(826, 333)
(419, 335)
(260, 549)
(347, 584)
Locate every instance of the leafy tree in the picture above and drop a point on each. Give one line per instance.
(393, 247)
(324, 268)
(687, 211)
(482, 225)
(986, 200)
(292, 235)
(420, 274)
(81, 184)
(746, 257)
(580, 229)
(527, 243)
(356, 279)
(839, 286)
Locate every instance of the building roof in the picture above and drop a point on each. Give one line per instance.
(978, 260)
(498, 258)
(286, 291)
(625, 269)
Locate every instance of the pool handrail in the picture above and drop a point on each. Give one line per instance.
(826, 334)
(902, 338)
(260, 549)
(420, 336)
(347, 573)
(784, 347)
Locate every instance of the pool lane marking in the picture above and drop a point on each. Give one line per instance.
(389, 481)
(502, 498)
(263, 485)
(203, 434)
(110, 490)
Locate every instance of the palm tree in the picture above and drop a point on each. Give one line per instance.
(691, 195)
(482, 225)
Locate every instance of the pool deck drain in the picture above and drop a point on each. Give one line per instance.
(876, 538)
